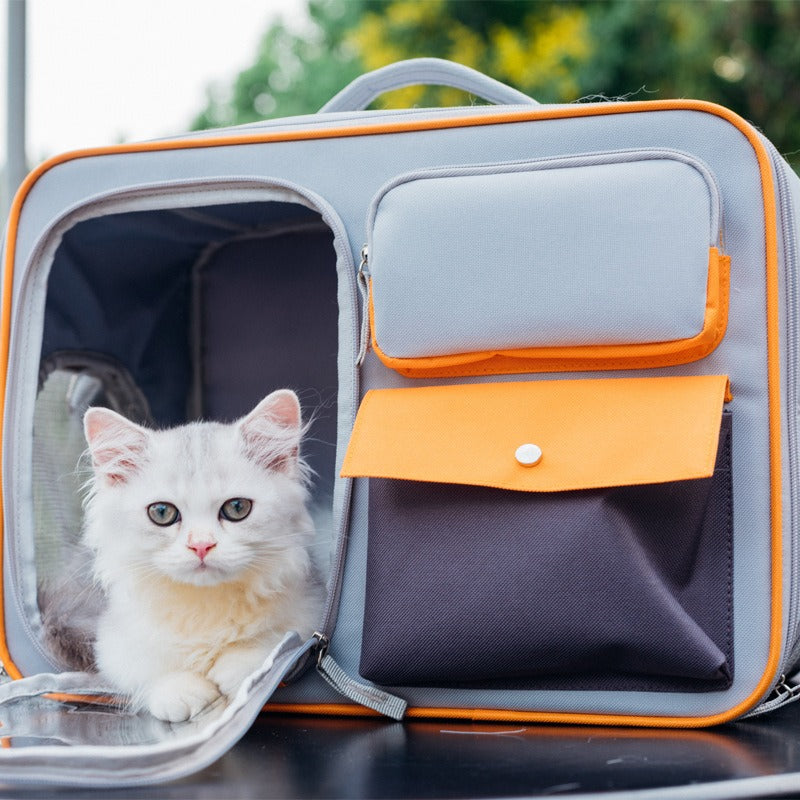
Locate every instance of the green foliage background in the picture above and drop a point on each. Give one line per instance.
(743, 54)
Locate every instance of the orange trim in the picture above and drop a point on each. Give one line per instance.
(593, 433)
(92, 699)
(499, 118)
(587, 357)
(324, 709)
(493, 715)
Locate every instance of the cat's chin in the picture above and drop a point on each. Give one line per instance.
(205, 575)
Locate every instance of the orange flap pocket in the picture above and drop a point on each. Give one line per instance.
(577, 533)
(541, 436)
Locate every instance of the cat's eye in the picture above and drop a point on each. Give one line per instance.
(163, 513)
(236, 509)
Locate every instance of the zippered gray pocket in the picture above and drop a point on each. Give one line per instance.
(604, 260)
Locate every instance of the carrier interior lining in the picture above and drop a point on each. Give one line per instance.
(176, 314)
(208, 310)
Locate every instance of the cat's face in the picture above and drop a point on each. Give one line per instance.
(202, 504)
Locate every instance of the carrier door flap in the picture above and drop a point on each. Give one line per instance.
(542, 436)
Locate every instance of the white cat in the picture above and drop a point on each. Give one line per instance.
(201, 542)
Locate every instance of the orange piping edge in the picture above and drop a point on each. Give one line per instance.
(579, 357)
(773, 349)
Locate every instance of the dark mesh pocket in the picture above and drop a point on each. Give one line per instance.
(626, 587)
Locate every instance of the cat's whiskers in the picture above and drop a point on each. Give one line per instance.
(291, 534)
(170, 612)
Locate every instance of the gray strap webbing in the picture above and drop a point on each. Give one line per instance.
(366, 695)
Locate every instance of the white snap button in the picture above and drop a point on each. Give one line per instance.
(528, 454)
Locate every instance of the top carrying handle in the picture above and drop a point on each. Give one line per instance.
(357, 95)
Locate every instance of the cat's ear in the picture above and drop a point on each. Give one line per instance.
(117, 445)
(272, 431)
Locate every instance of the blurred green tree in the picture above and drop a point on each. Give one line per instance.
(744, 54)
(294, 72)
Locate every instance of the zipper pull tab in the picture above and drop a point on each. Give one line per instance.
(363, 286)
(370, 696)
(323, 642)
(785, 691)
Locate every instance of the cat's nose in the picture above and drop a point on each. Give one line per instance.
(201, 548)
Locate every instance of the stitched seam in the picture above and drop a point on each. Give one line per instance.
(729, 537)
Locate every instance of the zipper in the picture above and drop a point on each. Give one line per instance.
(787, 222)
(588, 159)
(319, 121)
(100, 204)
(363, 287)
(338, 560)
(785, 690)
(362, 693)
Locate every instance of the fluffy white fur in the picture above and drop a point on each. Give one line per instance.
(180, 630)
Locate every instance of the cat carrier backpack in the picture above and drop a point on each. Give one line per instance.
(550, 358)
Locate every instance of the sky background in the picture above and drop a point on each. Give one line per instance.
(105, 71)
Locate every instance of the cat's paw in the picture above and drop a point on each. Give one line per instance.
(233, 665)
(179, 696)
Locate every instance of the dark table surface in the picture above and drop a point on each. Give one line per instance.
(314, 757)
